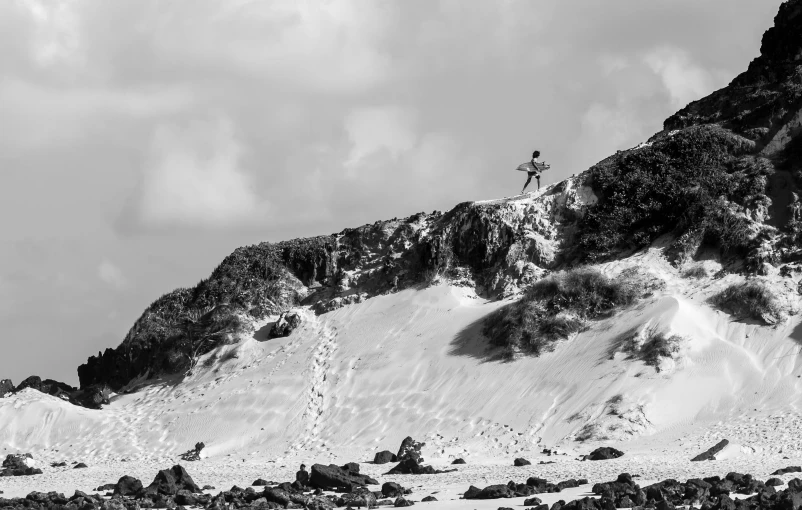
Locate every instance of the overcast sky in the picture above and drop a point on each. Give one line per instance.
(142, 141)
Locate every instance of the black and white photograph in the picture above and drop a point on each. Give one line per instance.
(451, 254)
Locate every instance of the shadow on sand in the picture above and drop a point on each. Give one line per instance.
(472, 343)
(263, 333)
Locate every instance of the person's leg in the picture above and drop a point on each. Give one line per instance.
(528, 180)
(538, 182)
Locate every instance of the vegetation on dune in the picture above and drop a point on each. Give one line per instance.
(560, 305)
(649, 345)
(685, 184)
(752, 300)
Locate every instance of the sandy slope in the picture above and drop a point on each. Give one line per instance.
(359, 379)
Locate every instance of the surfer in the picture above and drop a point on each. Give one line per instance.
(534, 171)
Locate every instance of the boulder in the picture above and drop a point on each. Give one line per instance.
(410, 449)
(604, 453)
(80, 465)
(789, 469)
(384, 457)
(127, 486)
(169, 481)
(106, 487)
(428, 499)
(402, 502)
(392, 490)
(711, 453)
(260, 483)
(358, 499)
(285, 324)
(491, 492)
(774, 482)
(458, 461)
(532, 502)
(333, 477)
(521, 462)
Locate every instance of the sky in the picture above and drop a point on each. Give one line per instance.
(142, 141)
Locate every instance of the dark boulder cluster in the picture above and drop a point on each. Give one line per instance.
(91, 397)
(339, 478)
(516, 490)
(19, 465)
(711, 493)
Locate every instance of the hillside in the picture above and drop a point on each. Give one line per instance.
(665, 278)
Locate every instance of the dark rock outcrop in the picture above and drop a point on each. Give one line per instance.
(711, 453)
(19, 465)
(169, 481)
(604, 453)
(193, 454)
(410, 449)
(6, 387)
(458, 461)
(410, 466)
(128, 486)
(286, 324)
(333, 477)
(789, 469)
(521, 462)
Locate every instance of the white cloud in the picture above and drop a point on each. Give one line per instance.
(194, 179)
(371, 130)
(57, 31)
(112, 275)
(684, 81)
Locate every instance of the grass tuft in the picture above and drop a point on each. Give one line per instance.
(751, 300)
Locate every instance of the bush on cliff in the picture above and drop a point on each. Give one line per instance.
(560, 305)
(694, 184)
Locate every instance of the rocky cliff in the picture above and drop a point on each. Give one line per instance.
(723, 175)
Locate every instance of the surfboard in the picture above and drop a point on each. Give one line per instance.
(529, 167)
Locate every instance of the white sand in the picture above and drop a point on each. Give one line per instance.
(360, 379)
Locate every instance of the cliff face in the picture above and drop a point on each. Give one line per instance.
(725, 173)
(497, 246)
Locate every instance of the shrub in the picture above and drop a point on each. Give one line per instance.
(752, 300)
(684, 183)
(649, 345)
(559, 306)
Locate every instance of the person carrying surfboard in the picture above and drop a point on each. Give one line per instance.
(533, 169)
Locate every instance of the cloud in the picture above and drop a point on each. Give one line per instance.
(370, 130)
(111, 274)
(194, 178)
(684, 81)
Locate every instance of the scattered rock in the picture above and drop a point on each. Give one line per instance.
(58, 464)
(384, 457)
(604, 453)
(427, 499)
(402, 502)
(80, 465)
(532, 502)
(521, 462)
(458, 461)
(260, 483)
(410, 466)
(107, 487)
(774, 482)
(711, 453)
